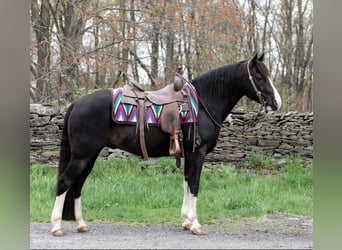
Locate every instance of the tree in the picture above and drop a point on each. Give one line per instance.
(40, 21)
(79, 45)
(70, 24)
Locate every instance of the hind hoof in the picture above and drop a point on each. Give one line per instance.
(83, 229)
(58, 232)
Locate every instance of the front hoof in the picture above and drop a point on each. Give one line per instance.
(58, 232)
(196, 230)
(186, 225)
(83, 229)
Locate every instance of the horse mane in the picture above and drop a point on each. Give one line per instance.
(217, 82)
(222, 75)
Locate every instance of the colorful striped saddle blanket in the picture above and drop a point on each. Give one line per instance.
(126, 105)
(167, 108)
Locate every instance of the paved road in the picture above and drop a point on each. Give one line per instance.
(270, 232)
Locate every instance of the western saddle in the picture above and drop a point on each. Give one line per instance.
(174, 98)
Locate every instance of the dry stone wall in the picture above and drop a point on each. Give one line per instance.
(46, 124)
(278, 135)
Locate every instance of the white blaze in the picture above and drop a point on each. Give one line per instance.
(276, 94)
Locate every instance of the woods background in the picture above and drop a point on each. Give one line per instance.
(78, 46)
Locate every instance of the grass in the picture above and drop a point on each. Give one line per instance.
(118, 190)
(258, 161)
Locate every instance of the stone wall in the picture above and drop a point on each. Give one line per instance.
(46, 123)
(278, 135)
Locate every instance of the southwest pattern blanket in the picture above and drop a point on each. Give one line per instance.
(128, 113)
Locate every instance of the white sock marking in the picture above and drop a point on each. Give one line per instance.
(56, 216)
(78, 213)
(185, 205)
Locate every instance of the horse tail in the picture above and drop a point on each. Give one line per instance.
(65, 153)
(64, 159)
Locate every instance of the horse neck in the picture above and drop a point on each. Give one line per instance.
(220, 90)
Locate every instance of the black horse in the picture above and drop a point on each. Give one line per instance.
(88, 127)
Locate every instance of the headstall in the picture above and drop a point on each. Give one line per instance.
(257, 91)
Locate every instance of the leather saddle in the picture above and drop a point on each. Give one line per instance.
(173, 97)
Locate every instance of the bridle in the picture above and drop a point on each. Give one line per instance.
(260, 114)
(257, 91)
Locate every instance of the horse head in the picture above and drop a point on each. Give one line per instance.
(260, 87)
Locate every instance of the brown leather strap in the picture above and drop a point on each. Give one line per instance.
(257, 91)
(141, 114)
(175, 148)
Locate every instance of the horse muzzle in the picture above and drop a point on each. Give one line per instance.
(273, 106)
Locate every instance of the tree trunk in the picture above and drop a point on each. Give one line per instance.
(73, 27)
(170, 66)
(288, 53)
(299, 61)
(40, 19)
(155, 50)
(124, 26)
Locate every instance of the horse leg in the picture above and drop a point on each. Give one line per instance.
(56, 216)
(186, 193)
(81, 225)
(196, 227)
(66, 193)
(188, 211)
(185, 206)
(194, 174)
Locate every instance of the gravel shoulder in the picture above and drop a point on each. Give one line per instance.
(269, 232)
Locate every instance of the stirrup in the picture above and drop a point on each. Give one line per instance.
(175, 148)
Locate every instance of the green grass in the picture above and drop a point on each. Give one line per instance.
(259, 161)
(118, 190)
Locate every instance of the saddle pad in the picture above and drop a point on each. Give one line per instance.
(128, 113)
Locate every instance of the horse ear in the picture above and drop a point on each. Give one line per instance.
(261, 58)
(255, 57)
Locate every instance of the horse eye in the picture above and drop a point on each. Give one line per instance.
(258, 77)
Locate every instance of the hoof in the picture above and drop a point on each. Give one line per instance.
(196, 230)
(58, 232)
(83, 229)
(186, 225)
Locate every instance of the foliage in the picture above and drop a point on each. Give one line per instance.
(120, 191)
(85, 44)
